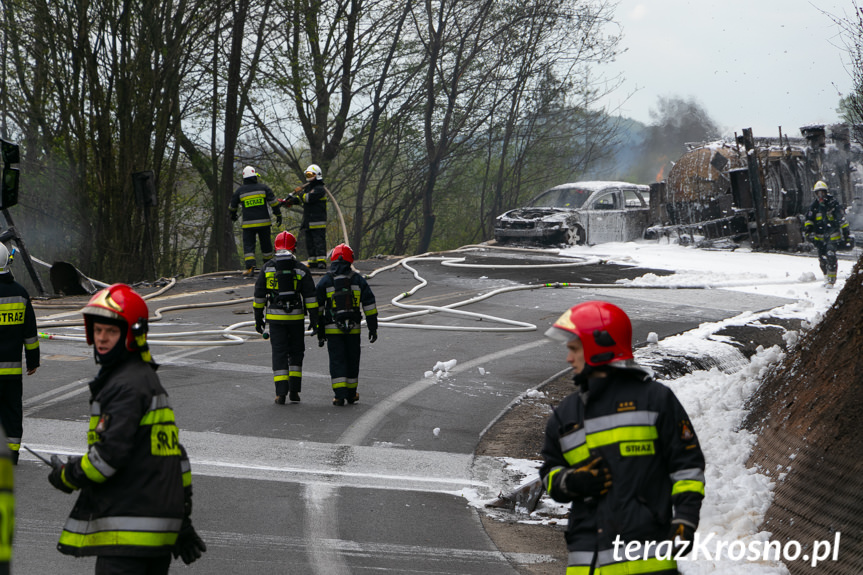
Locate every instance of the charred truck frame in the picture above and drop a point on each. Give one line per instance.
(756, 189)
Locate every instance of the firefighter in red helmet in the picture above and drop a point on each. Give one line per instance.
(344, 297)
(135, 505)
(622, 450)
(284, 294)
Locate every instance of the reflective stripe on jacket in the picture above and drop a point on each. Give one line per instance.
(135, 474)
(255, 199)
(272, 293)
(17, 329)
(314, 197)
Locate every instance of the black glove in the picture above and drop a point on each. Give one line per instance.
(589, 480)
(234, 216)
(189, 545)
(278, 219)
(373, 336)
(259, 320)
(56, 475)
(685, 532)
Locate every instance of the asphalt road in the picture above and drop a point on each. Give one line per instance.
(310, 488)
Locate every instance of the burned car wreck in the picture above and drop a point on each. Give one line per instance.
(588, 212)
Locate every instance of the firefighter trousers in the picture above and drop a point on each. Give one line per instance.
(827, 258)
(344, 352)
(287, 339)
(12, 412)
(124, 565)
(316, 244)
(261, 233)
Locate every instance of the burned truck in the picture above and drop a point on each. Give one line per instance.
(757, 189)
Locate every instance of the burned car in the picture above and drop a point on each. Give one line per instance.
(578, 213)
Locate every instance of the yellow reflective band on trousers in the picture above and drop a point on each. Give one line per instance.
(609, 437)
(687, 486)
(7, 508)
(627, 568)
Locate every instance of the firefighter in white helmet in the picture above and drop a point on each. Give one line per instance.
(257, 199)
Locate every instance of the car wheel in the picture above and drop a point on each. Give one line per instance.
(575, 236)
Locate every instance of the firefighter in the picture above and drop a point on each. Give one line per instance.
(344, 297)
(135, 505)
(7, 505)
(255, 197)
(313, 198)
(17, 330)
(826, 227)
(622, 450)
(284, 292)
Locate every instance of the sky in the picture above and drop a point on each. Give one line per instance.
(736, 497)
(756, 65)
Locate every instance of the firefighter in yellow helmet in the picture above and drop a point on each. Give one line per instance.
(135, 504)
(17, 332)
(826, 228)
(622, 451)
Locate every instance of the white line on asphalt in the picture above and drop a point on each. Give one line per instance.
(364, 425)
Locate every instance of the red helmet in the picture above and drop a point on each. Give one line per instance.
(118, 303)
(603, 328)
(344, 252)
(286, 241)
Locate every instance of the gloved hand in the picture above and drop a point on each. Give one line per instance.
(278, 219)
(684, 531)
(322, 339)
(56, 475)
(259, 320)
(234, 216)
(589, 480)
(189, 546)
(373, 336)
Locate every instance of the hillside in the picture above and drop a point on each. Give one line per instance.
(807, 415)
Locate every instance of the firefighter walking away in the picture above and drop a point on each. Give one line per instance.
(284, 293)
(344, 297)
(135, 504)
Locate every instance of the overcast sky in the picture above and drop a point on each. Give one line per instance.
(749, 63)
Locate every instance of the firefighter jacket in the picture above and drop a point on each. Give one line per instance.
(286, 289)
(344, 297)
(7, 505)
(313, 196)
(644, 436)
(826, 221)
(17, 329)
(135, 478)
(255, 198)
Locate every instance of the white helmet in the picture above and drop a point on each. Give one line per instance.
(314, 172)
(249, 172)
(5, 259)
